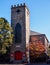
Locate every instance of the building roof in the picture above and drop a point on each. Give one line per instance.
(34, 33)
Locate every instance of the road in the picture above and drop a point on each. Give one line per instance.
(27, 64)
(38, 64)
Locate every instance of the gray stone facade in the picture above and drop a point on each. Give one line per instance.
(20, 14)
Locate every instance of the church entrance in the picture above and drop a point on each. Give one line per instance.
(18, 55)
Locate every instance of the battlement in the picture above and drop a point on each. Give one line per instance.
(18, 5)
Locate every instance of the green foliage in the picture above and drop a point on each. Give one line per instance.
(6, 35)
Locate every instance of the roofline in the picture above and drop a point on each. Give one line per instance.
(40, 35)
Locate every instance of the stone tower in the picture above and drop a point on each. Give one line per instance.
(21, 26)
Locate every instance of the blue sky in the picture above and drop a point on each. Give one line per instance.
(39, 13)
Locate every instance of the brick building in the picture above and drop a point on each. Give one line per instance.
(36, 37)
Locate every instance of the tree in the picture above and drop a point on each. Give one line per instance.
(6, 35)
(36, 49)
(48, 50)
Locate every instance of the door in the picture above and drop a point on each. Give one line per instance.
(18, 55)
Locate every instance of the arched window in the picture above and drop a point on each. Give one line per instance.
(18, 33)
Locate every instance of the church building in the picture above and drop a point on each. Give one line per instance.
(20, 22)
(21, 26)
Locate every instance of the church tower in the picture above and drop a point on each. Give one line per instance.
(21, 27)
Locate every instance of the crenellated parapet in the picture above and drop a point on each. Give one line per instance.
(18, 5)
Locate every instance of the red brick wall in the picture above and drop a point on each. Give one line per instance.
(37, 39)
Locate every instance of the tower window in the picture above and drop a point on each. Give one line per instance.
(18, 33)
(18, 11)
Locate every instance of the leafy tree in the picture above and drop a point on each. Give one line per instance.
(48, 50)
(36, 49)
(6, 35)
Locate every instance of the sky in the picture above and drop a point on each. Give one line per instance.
(39, 13)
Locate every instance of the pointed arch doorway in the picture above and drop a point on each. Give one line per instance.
(18, 55)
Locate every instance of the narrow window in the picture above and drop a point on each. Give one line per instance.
(18, 33)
